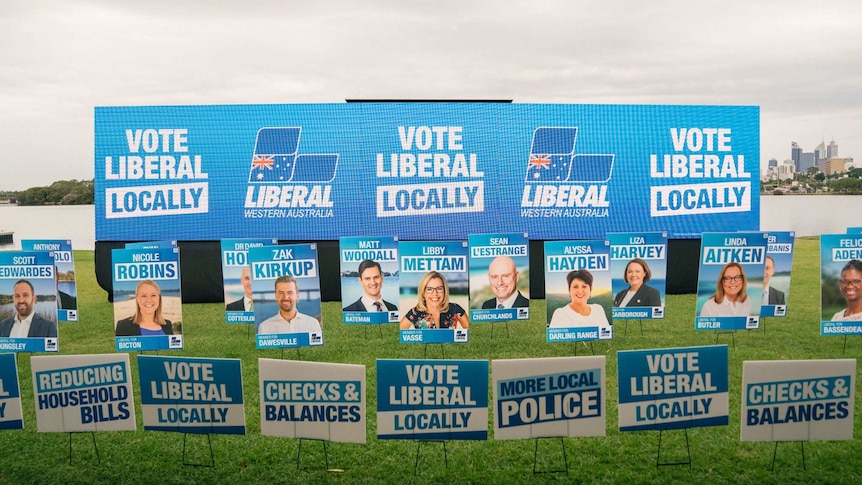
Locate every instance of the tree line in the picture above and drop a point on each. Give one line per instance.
(62, 192)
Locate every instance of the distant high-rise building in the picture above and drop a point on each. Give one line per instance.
(832, 150)
(820, 151)
(795, 154)
(772, 163)
(806, 161)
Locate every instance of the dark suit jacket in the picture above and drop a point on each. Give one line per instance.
(236, 306)
(127, 328)
(67, 301)
(39, 327)
(357, 306)
(520, 302)
(775, 297)
(645, 296)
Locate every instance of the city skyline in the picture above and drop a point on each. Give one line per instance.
(61, 60)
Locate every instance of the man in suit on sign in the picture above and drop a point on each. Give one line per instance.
(771, 296)
(245, 303)
(503, 277)
(25, 322)
(371, 279)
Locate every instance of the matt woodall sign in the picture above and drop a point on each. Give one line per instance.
(75, 393)
(672, 388)
(798, 400)
(330, 170)
(191, 394)
(313, 400)
(11, 415)
(432, 399)
(541, 398)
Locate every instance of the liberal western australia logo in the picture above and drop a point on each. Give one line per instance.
(559, 182)
(285, 183)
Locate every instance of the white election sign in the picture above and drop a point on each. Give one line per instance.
(76, 393)
(541, 398)
(797, 400)
(312, 400)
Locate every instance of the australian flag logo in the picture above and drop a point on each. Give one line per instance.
(553, 158)
(277, 159)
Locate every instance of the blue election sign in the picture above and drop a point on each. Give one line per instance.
(11, 416)
(638, 274)
(236, 274)
(27, 279)
(431, 170)
(499, 277)
(147, 299)
(672, 388)
(776, 274)
(369, 279)
(730, 280)
(432, 399)
(578, 290)
(192, 394)
(840, 284)
(286, 286)
(67, 289)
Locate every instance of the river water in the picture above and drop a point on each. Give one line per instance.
(807, 215)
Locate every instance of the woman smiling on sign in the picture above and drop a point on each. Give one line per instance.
(638, 293)
(579, 313)
(850, 285)
(148, 319)
(730, 298)
(434, 310)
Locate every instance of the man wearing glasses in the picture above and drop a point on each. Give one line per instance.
(850, 285)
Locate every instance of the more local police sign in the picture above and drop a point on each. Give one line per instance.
(541, 398)
(325, 171)
(672, 388)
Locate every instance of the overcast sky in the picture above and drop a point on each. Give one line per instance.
(799, 60)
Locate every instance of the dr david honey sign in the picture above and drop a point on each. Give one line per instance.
(432, 399)
(191, 394)
(672, 388)
(798, 400)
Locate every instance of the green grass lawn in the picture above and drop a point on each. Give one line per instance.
(717, 454)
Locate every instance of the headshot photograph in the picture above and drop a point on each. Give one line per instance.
(147, 311)
(28, 309)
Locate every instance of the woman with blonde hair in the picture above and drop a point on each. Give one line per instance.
(148, 319)
(433, 309)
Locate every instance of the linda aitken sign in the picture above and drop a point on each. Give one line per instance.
(432, 399)
(325, 171)
(83, 393)
(192, 394)
(672, 388)
(541, 398)
(314, 400)
(798, 400)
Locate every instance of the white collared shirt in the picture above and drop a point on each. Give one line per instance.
(508, 302)
(21, 328)
(369, 304)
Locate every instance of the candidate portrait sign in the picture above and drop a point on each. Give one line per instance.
(638, 274)
(542, 398)
(416, 259)
(840, 284)
(28, 289)
(78, 393)
(369, 279)
(798, 400)
(432, 399)
(673, 388)
(330, 170)
(286, 286)
(148, 311)
(776, 274)
(312, 400)
(730, 280)
(67, 289)
(578, 290)
(191, 394)
(499, 277)
(11, 415)
(236, 274)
